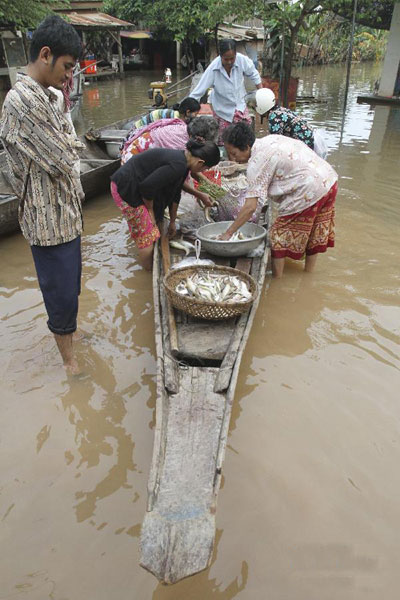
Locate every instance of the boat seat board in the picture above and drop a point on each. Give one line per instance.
(204, 340)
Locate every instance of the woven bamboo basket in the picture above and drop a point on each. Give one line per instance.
(203, 309)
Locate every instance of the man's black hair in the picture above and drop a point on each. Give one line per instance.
(59, 36)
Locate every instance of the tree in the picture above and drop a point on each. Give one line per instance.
(27, 14)
(282, 23)
(376, 14)
(184, 21)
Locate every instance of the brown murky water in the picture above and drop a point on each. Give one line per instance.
(310, 506)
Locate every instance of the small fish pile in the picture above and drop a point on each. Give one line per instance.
(214, 288)
(238, 236)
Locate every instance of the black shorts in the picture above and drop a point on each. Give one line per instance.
(59, 273)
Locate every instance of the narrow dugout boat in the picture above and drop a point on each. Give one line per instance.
(197, 368)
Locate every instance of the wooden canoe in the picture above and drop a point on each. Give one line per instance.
(197, 368)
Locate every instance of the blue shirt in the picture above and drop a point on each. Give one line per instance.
(228, 91)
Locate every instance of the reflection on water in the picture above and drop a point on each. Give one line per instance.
(309, 508)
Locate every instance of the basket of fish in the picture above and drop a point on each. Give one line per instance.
(211, 292)
(246, 239)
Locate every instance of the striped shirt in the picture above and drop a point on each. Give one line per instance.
(155, 115)
(42, 158)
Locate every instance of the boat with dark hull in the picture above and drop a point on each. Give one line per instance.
(96, 167)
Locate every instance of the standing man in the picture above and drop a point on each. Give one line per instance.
(42, 158)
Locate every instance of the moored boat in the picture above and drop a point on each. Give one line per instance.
(96, 167)
(197, 368)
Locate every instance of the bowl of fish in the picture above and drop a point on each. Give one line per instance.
(246, 239)
(211, 292)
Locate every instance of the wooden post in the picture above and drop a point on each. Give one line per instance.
(121, 62)
(178, 53)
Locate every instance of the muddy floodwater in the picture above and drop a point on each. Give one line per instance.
(309, 508)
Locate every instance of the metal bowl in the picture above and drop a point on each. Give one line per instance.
(228, 248)
(112, 149)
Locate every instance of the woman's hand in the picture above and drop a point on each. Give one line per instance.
(204, 199)
(171, 229)
(225, 236)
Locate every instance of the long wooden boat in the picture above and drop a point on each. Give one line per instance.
(197, 368)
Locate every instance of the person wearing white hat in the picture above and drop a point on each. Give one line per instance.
(283, 121)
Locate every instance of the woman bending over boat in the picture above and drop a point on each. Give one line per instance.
(174, 134)
(302, 184)
(149, 182)
(168, 133)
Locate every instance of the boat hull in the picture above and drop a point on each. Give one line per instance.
(196, 381)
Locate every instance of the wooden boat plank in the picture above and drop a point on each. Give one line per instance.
(243, 264)
(178, 533)
(171, 375)
(261, 266)
(239, 338)
(203, 340)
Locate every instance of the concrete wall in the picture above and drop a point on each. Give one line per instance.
(392, 57)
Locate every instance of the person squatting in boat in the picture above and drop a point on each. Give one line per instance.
(303, 185)
(149, 182)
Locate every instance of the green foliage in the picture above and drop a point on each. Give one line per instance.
(371, 13)
(328, 35)
(283, 22)
(186, 19)
(370, 44)
(26, 14)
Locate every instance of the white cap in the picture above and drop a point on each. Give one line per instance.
(265, 100)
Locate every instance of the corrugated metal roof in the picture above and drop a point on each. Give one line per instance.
(136, 35)
(96, 19)
(239, 33)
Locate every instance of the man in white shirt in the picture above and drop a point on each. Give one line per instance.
(226, 76)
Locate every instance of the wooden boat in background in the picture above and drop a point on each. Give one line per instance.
(96, 164)
(197, 368)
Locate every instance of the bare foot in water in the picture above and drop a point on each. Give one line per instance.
(81, 334)
(72, 367)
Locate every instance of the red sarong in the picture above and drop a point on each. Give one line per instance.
(307, 232)
(142, 230)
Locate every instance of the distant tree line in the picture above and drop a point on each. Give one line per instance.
(322, 25)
